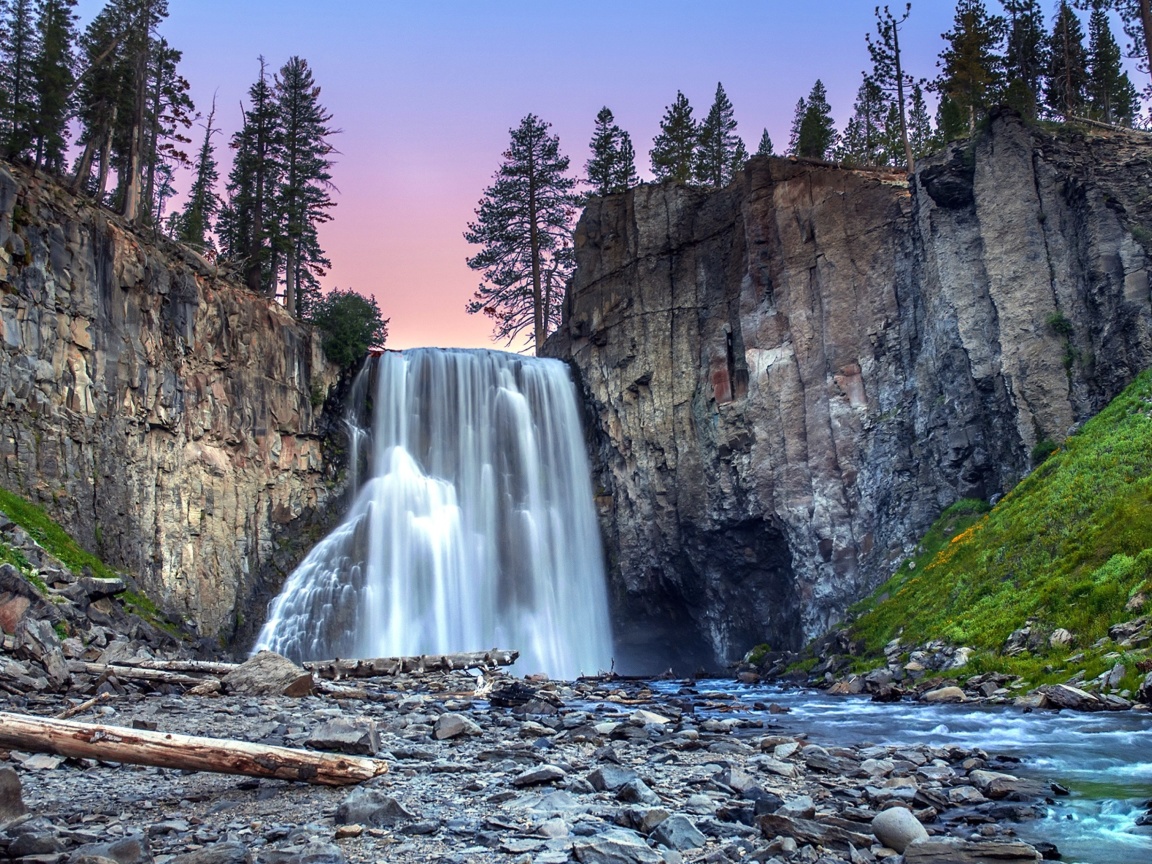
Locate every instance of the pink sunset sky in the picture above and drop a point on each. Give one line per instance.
(425, 94)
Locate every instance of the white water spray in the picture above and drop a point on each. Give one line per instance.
(474, 530)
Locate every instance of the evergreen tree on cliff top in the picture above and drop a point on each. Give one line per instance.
(765, 148)
(1025, 56)
(888, 75)
(970, 68)
(719, 151)
(1111, 96)
(523, 226)
(103, 96)
(19, 45)
(612, 167)
(53, 75)
(674, 149)
(864, 138)
(304, 195)
(1068, 66)
(195, 221)
(815, 131)
(1137, 18)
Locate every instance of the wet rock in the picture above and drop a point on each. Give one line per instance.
(897, 827)
(1072, 698)
(268, 674)
(367, 806)
(678, 832)
(355, 735)
(944, 694)
(811, 831)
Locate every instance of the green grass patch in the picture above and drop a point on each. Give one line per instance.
(1070, 546)
(56, 541)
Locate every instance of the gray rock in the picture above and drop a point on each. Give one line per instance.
(609, 778)
(313, 852)
(678, 832)
(228, 852)
(11, 800)
(366, 806)
(540, 775)
(615, 846)
(638, 792)
(454, 725)
(35, 843)
(268, 674)
(897, 827)
(356, 735)
(129, 850)
(952, 851)
(800, 807)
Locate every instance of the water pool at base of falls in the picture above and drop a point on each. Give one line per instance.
(1105, 759)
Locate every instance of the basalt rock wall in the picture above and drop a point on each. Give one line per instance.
(167, 418)
(789, 379)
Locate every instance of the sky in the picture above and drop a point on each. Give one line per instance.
(425, 94)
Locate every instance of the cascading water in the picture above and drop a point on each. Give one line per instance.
(475, 528)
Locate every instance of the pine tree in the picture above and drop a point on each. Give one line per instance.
(674, 149)
(195, 221)
(1111, 96)
(920, 134)
(1136, 16)
(970, 75)
(304, 194)
(797, 121)
(1025, 56)
(52, 73)
(169, 113)
(102, 98)
(765, 148)
(719, 151)
(523, 226)
(816, 135)
(888, 74)
(19, 46)
(1068, 65)
(247, 227)
(863, 141)
(612, 167)
(140, 18)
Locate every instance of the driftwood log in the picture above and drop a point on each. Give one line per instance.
(187, 752)
(383, 667)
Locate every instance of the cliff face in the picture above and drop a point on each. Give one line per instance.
(788, 379)
(163, 416)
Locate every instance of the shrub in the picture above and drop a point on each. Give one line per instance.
(350, 324)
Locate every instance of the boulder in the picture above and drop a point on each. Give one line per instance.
(539, 776)
(228, 852)
(609, 778)
(944, 694)
(355, 735)
(953, 851)
(677, 832)
(268, 674)
(366, 806)
(1072, 698)
(897, 827)
(615, 846)
(1060, 638)
(11, 799)
(453, 726)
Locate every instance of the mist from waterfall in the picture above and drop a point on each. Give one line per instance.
(474, 527)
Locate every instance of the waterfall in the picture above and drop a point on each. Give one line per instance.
(473, 529)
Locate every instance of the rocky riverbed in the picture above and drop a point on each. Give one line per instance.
(597, 771)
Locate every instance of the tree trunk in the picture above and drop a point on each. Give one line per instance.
(169, 750)
(105, 156)
(1145, 9)
(290, 280)
(130, 209)
(900, 97)
(387, 666)
(534, 244)
(84, 167)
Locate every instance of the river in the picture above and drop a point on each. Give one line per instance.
(1105, 759)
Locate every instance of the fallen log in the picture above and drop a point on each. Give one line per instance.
(382, 667)
(133, 673)
(187, 752)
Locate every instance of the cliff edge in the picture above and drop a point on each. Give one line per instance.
(168, 419)
(789, 379)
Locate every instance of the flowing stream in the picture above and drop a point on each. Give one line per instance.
(1104, 758)
(473, 528)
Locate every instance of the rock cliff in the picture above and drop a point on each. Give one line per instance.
(788, 379)
(168, 419)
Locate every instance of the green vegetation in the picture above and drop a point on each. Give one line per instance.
(1070, 546)
(350, 324)
(55, 540)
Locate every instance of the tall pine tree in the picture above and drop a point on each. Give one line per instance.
(19, 46)
(1068, 65)
(140, 17)
(674, 149)
(970, 73)
(863, 141)
(765, 148)
(523, 225)
(719, 151)
(1025, 56)
(102, 98)
(920, 133)
(304, 195)
(816, 133)
(52, 71)
(888, 74)
(1111, 96)
(168, 116)
(612, 167)
(195, 220)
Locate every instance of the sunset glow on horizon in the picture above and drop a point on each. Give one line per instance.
(425, 95)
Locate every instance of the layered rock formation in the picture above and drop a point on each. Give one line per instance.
(790, 378)
(168, 419)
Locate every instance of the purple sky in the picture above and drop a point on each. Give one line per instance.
(426, 92)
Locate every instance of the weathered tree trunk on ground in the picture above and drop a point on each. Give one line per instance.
(381, 667)
(169, 750)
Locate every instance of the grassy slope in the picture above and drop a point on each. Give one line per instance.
(1070, 546)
